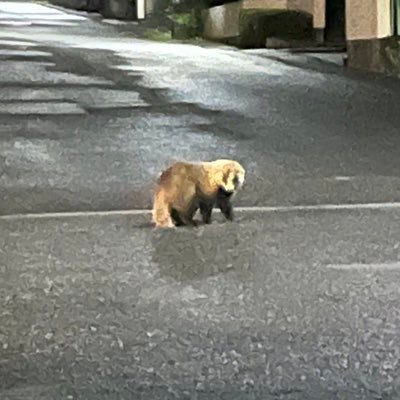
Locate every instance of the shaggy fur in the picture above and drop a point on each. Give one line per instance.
(185, 187)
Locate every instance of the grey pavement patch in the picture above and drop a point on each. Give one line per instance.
(26, 108)
(30, 72)
(32, 94)
(114, 22)
(22, 150)
(105, 98)
(88, 97)
(332, 58)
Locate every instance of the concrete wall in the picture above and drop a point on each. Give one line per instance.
(365, 19)
(361, 22)
(319, 8)
(368, 19)
(302, 5)
(222, 22)
(384, 15)
(371, 45)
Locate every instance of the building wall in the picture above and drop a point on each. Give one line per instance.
(370, 42)
(368, 19)
(361, 19)
(384, 16)
(319, 7)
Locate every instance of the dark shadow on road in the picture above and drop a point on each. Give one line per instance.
(325, 67)
(191, 254)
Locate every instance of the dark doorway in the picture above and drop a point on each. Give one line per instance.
(335, 22)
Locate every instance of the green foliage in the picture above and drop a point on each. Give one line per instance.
(157, 35)
(187, 25)
(187, 19)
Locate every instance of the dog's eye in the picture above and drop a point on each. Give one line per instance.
(236, 180)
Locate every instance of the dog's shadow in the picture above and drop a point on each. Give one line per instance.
(195, 253)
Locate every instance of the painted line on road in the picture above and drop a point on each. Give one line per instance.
(380, 266)
(266, 209)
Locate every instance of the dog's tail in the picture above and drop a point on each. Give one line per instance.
(161, 214)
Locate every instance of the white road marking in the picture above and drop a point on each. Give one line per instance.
(12, 42)
(24, 53)
(319, 207)
(15, 23)
(379, 266)
(23, 108)
(343, 178)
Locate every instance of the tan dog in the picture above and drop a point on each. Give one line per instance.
(185, 187)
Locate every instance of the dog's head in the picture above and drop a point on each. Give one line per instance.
(229, 176)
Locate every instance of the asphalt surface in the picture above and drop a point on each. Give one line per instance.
(103, 308)
(293, 305)
(89, 116)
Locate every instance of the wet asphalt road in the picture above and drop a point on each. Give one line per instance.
(89, 116)
(298, 305)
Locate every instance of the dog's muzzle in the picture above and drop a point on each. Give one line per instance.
(224, 193)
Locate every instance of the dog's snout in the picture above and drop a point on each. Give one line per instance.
(224, 193)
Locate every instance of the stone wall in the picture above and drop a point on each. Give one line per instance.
(222, 22)
(248, 23)
(375, 55)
